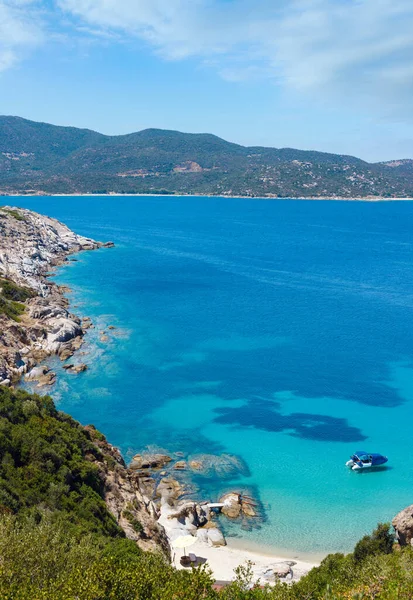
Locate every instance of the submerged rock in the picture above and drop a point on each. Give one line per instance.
(223, 466)
(180, 465)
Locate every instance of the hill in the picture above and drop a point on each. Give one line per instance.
(43, 158)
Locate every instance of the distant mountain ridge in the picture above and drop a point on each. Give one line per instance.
(43, 158)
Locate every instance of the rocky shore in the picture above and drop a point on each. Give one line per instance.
(35, 321)
(168, 481)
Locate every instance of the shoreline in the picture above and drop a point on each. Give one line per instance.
(32, 246)
(235, 197)
(243, 545)
(221, 559)
(224, 560)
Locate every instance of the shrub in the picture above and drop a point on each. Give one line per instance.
(381, 541)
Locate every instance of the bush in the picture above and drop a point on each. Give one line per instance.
(381, 541)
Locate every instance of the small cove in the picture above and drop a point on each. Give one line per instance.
(277, 331)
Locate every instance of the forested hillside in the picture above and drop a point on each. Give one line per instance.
(42, 158)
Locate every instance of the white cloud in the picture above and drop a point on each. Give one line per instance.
(20, 29)
(359, 48)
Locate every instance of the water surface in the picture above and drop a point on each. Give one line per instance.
(280, 331)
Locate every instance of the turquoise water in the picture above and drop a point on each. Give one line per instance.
(278, 331)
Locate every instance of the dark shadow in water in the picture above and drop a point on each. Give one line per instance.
(265, 415)
(272, 369)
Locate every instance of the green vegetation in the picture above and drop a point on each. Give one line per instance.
(137, 525)
(11, 296)
(13, 310)
(13, 213)
(38, 156)
(58, 541)
(47, 464)
(17, 293)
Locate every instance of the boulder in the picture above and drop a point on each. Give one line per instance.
(169, 489)
(62, 330)
(149, 461)
(202, 535)
(180, 465)
(37, 372)
(275, 572)
(79, 368)
(65, 354)
(232, 505)
(238, 504)
(281, 570)
(403, 525)
(216, 537)
(191, 514)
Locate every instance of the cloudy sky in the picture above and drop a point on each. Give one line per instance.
(334, 75)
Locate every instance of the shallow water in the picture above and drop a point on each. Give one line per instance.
(278, 331)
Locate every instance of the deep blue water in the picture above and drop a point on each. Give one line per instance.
(280, 331)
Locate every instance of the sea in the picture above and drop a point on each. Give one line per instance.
(276, 331)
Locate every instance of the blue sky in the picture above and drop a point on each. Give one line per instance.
(333, 75)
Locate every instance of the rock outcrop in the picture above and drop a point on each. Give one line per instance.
(127, 499)
(30, 245)
(403, 526)
(149, 461)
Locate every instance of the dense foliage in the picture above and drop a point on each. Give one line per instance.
(58, 542)
(46, 464)
(42, 157)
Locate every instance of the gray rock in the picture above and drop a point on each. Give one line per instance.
(216, 537)
(403, 526)
(149, 461)
(36, 373)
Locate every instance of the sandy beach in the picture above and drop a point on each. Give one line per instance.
(224, 559)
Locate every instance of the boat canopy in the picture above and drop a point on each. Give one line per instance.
(373, 457)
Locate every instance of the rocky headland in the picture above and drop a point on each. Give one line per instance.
(150, 500)
(35, 321)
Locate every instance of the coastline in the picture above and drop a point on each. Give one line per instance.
(32, 245)
(230, 197)
(52, 330)
(225, 559)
